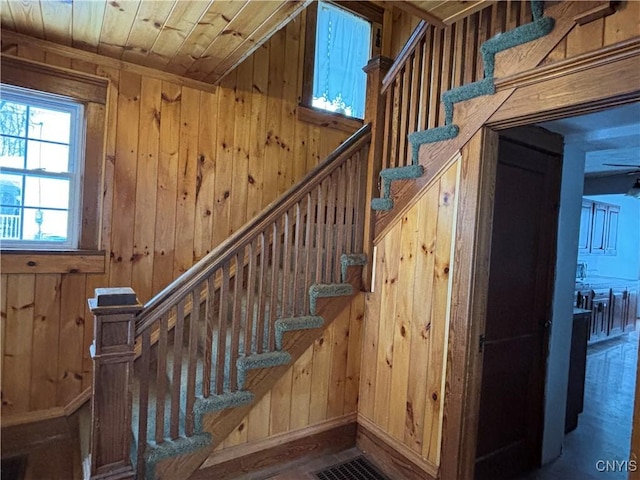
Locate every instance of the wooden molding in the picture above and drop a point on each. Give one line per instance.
(604, 56)
(328, 119)
(81, 261)
(9, 38)
(411, 9)
(31, 430)
(394, 458)
(31, 417)
(48, 78)
(329, 436)
(601, 11)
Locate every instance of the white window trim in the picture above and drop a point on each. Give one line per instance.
(76, 164)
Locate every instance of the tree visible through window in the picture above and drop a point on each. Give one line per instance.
(40, 169)
(342, 49)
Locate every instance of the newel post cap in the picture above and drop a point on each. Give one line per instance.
(120, 298)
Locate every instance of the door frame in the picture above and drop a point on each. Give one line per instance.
(609, 77)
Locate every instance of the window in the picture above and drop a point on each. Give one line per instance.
(336, 52)
(41, 163)
(52, 140)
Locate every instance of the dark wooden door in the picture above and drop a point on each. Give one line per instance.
(520, 291)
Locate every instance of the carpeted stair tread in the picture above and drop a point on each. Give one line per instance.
(402, 173)
(257, 361)
(466, 92)
(381, 204)
(433, 135)
(351, 260)
(215, 403)
(326, 290)
(518, 36)
(155, 452)
(283, 325)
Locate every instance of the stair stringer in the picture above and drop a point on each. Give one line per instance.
(220, 424)
(471, 115)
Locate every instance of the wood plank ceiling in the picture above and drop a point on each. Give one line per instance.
(198, 39)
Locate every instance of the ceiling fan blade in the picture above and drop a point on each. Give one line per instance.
(621, 165)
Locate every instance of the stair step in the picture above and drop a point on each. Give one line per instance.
(351, 260)
(519, 35)
(466, 92)
(402, 173)
(259, 360)
(283, 325)
(215, 403)
(155, 452)
(326, 290)
(381, 204)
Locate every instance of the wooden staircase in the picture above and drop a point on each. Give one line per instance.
(216, 340)
(183, 370)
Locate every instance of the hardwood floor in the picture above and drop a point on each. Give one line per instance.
(604, 427)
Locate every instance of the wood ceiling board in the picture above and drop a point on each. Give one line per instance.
(238, 30)
(451, 12)
(116, 25)
(182, 21)
(59, 18)
(27, 18)
(87, 24)
(211, 25)
(278, 19)
(146, 27)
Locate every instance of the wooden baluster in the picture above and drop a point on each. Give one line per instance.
(330, 229)
(176, 378)
(350, 203)
(308, 240)
(447, 69)
(376, 69)
(386, 129)
(361, 181)
(275, 270)
(250, 288)
(416, 83)
(262, 292)
(296, 257)
(320, 226)
(395, 123)
(434, 82)
(222, 328)
(340, 220)
(114, 311)
(194, 320)
(208, 336)
(471, 48)
(236, 319)
(403, 114)
(286, 263)
(143, 402)
(425, 87)
(161, 379)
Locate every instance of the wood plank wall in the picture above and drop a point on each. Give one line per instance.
(185, 168)
(405, 331)
(321, 386)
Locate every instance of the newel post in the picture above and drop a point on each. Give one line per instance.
(376, 70)
(114, 311)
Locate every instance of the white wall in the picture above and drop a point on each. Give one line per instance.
(562, 315)
(626, 263)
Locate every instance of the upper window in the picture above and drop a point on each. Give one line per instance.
(335, 56)
(41, 149)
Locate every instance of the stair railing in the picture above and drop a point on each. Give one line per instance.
(433, 61)
(191, 334)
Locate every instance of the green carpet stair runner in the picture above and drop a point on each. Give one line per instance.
(539, 27)
(154, 452)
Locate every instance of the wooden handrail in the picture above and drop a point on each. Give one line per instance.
(184, 284)
(405, 54)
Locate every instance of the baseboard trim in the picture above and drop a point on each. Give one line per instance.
(327, 437)
(392, 457)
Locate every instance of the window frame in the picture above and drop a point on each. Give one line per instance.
(45, 100)
(92, 92)
(306, 112)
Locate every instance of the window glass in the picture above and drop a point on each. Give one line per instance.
(40, 169)
(342, 49)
